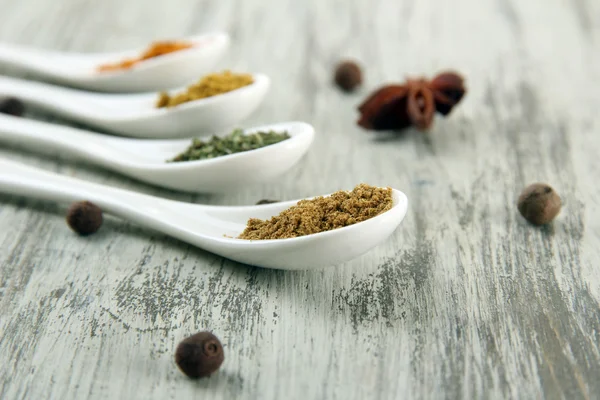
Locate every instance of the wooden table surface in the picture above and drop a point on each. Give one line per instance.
(465, 300)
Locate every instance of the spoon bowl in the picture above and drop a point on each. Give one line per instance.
(145, 160)
(158, 73)
(136, 115)
(212, 228)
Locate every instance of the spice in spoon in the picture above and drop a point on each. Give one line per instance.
(235, 142)
(322, 214)
(156, 49)
(209, 85)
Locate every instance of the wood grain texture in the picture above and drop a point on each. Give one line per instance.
(465, 301)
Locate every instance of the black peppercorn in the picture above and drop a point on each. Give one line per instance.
(266, 201)
(348, 76)
(199, 355)
(12, 106)
(84, 217)
(539, 203)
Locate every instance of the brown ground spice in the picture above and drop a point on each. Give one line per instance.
(209, 85)
(322, 214)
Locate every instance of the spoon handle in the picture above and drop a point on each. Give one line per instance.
(163, 215)
(18, 179)
(57, 139)
(55, 98)
(23, 58)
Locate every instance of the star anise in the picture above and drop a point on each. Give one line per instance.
(411, 104)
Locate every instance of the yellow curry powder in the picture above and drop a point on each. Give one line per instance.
(156, 49)
(322, 214)
(209, 85)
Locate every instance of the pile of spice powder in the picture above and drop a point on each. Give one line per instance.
(235, 142)
(156, 49)
(322, 214)
(209, 85)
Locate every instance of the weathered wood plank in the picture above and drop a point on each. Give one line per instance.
(464, 301)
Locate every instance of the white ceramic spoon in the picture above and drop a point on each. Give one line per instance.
(207, 227)
(159, 73)
(145, 160)
(135, 114)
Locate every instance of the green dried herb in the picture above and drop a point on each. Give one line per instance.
(235, 142)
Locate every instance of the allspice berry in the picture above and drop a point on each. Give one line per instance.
(199, 355)
(348, 76)
(12, 106)
(266, 201)
(539, 203)
(84, 217)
